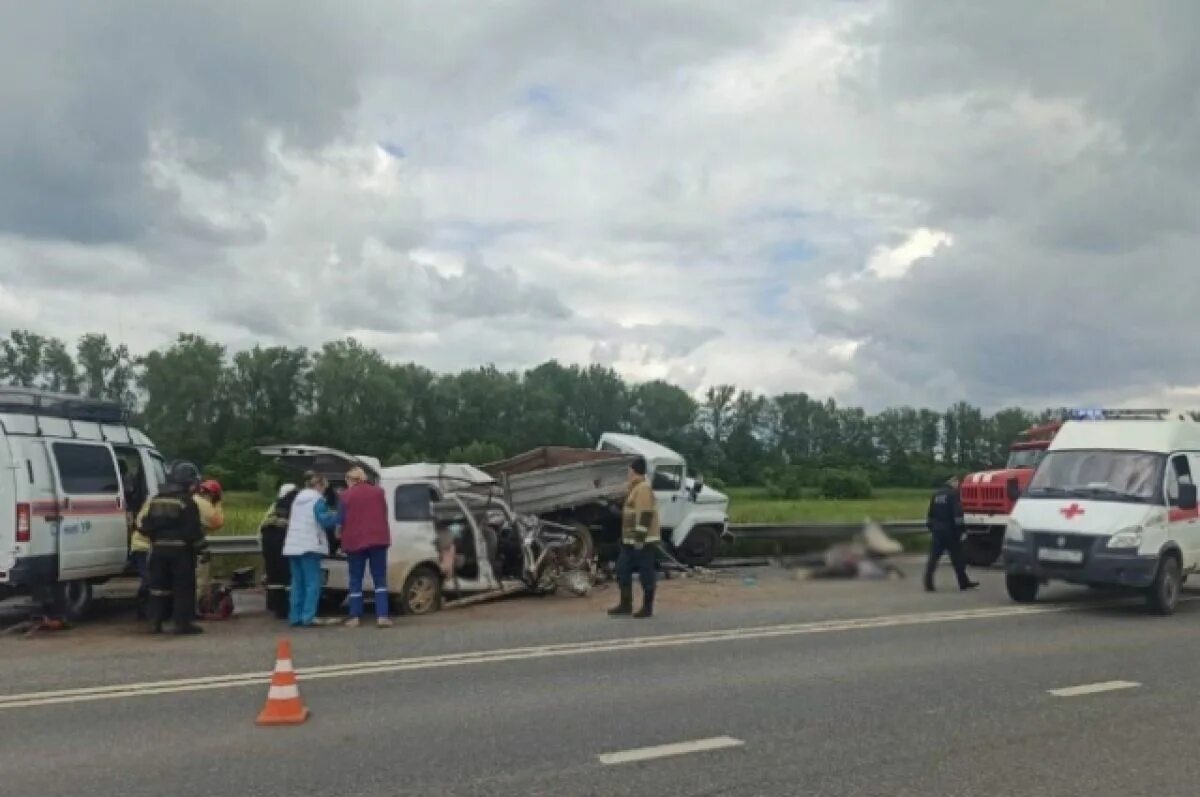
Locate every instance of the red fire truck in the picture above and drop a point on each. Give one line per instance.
(985, 496)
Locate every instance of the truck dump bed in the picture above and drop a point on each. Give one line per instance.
(552, 478)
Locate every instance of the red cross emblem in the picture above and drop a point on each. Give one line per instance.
(1071, 511)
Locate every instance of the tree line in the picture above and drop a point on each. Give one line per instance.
(200, 401)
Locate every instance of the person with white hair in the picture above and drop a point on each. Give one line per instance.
(272, 532)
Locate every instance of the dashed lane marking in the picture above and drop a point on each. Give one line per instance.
(668, 750)
(1092, 689)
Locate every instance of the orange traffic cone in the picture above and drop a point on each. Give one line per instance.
(284, 706)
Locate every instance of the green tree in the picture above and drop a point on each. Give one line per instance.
(106, 372)
(183, 389)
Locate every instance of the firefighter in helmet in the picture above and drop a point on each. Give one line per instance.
(171, 522)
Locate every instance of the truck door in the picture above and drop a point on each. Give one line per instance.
(92, 541)
(670, 492)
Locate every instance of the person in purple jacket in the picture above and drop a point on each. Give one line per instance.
(365, 537)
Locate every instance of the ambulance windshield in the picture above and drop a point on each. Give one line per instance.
(1133, 476)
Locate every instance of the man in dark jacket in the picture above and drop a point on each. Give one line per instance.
(945, 523)
(272, 532)
(171, 521)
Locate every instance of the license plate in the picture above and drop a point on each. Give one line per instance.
(1060, 555)
(324, 577)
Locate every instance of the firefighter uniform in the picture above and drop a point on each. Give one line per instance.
(640, 536)
(945, 523)
(278, 571)
(171, 522)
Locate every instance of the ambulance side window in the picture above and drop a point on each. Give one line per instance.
(1179, 472)
(86, 470)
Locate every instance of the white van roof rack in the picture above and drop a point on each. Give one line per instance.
(1133, 415)
(45, 404)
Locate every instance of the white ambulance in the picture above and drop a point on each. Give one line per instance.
(69, 468)
(1112, 504)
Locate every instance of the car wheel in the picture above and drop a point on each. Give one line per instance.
(580, 550)
(422, 592)
(72, 599)
(1022, 589)
(331, 601)
(1163, 595)
(700, 547)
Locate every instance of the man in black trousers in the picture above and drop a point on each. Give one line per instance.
(945, 523)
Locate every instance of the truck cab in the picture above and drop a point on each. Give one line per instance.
(694, 518)
(1111, 504)
(986, 499)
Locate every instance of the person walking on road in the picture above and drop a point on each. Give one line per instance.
(945, 523)
(272, 532)
(305, 545)
(171, 523)
(365, 537)
(639, 536)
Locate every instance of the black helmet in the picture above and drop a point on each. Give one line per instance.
(185, 474)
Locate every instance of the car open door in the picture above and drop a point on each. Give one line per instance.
(329, 462)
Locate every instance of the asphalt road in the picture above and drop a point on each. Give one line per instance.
(855, 689)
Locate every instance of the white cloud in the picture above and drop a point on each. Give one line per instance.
(873, 200)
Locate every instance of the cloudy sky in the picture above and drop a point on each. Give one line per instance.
(888, 202)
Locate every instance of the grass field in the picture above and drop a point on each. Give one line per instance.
(753, 505)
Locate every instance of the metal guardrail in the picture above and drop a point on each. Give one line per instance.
(224, 546)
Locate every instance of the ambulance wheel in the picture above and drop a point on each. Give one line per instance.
(72, 599)
(980, 551)
(1163, 594)
(422, 592)
(1022, 589)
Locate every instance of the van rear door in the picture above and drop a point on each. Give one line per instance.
(92, 538)
(11, 515)
(329, 462)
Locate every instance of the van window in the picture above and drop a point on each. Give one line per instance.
(1132, 476)
(159, 469)
(1179, 473)
(86, 470)
(414, 502)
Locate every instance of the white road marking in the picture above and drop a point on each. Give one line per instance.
(233, 680)
(666, 750)
(1091, 689)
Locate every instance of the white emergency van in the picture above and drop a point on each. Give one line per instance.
(70, 470)
(1112, 504)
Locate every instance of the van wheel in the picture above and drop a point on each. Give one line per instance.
(72, 599)
(1163, 594)
(422, 593)
(1022, 589)
(699, 548)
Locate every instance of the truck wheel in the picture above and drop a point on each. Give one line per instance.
(1163, 594)
(422, 592)
(980, 551)
(700, 547)
(72, 599)
(1022, 589)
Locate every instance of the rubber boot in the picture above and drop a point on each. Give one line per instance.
(189, 630)
(647, 609)
(625, 607)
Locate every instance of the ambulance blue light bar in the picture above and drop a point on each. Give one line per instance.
(1127, 415)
